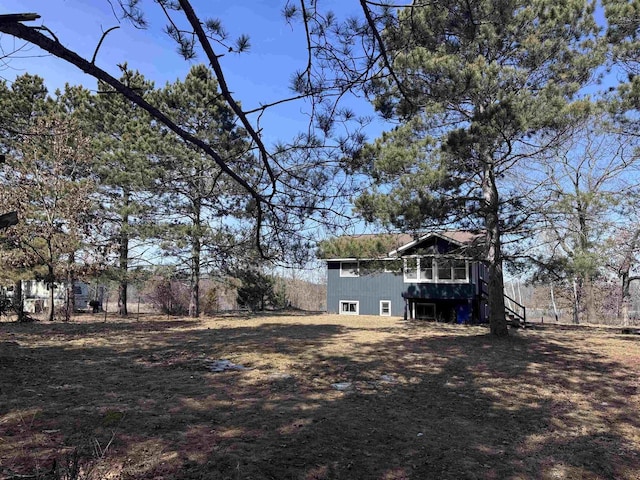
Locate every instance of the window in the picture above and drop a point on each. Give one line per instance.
(431, 269)
(426, 268)
(444, 270)
(460, 270)
(349, 269)
(349, 307)
(385, 308)
(27, 289)
(411, 269)
(424, 311)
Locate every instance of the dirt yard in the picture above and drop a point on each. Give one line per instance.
(320, 397)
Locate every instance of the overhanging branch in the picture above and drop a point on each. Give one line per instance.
(32, 35)
(226, 93)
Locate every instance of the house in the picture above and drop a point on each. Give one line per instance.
(434, 277)
(36, 295)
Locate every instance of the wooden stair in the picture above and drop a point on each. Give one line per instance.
(515, 312)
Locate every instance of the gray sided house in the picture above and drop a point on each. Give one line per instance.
(434, 277)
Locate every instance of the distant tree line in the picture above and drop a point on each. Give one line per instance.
(103, 190)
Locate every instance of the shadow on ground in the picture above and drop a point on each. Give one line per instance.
(136, 400)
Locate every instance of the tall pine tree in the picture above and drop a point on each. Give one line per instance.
(124, 145)
(477, 86)
(201, 205)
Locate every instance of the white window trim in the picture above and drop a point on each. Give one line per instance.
(381, 312)
(349, 273)
(435, 278)
(341, 312)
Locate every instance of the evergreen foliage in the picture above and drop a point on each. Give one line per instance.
(259, 291)
(482, 86)
(479, 90)
(200, 207)
(366, 247)
(125, 145)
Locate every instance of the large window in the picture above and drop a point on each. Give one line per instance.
(426, 268)
(431, 269)
(349, 269)
(444, 270)
(349, 307)
(411, 268)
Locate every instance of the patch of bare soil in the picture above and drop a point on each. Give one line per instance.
(315, 397)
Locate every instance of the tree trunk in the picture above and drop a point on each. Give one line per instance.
(577, 299)
(497, 317)
(123, 284)
(553, 302)
(70, 306)
(194, 299)
(18, 300)
(51, 285)
(581, 292)
(625, 299)
(589, 301)
(123, 265)
(196, 249)
(51, 309)
(67, 304)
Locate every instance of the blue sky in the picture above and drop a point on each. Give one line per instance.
(260, 75)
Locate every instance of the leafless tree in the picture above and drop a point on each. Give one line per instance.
(587, 181)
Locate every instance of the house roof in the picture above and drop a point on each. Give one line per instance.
(459, 237)
(396, 243)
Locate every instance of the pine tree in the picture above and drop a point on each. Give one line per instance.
(200, 204)
(478, 86)
(124, 145)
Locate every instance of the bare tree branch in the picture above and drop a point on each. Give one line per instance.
(95, 54)
(215, 64)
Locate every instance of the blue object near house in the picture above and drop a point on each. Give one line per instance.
(463, 313)
(434, 277)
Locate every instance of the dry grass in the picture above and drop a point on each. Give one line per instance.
(132, 399)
